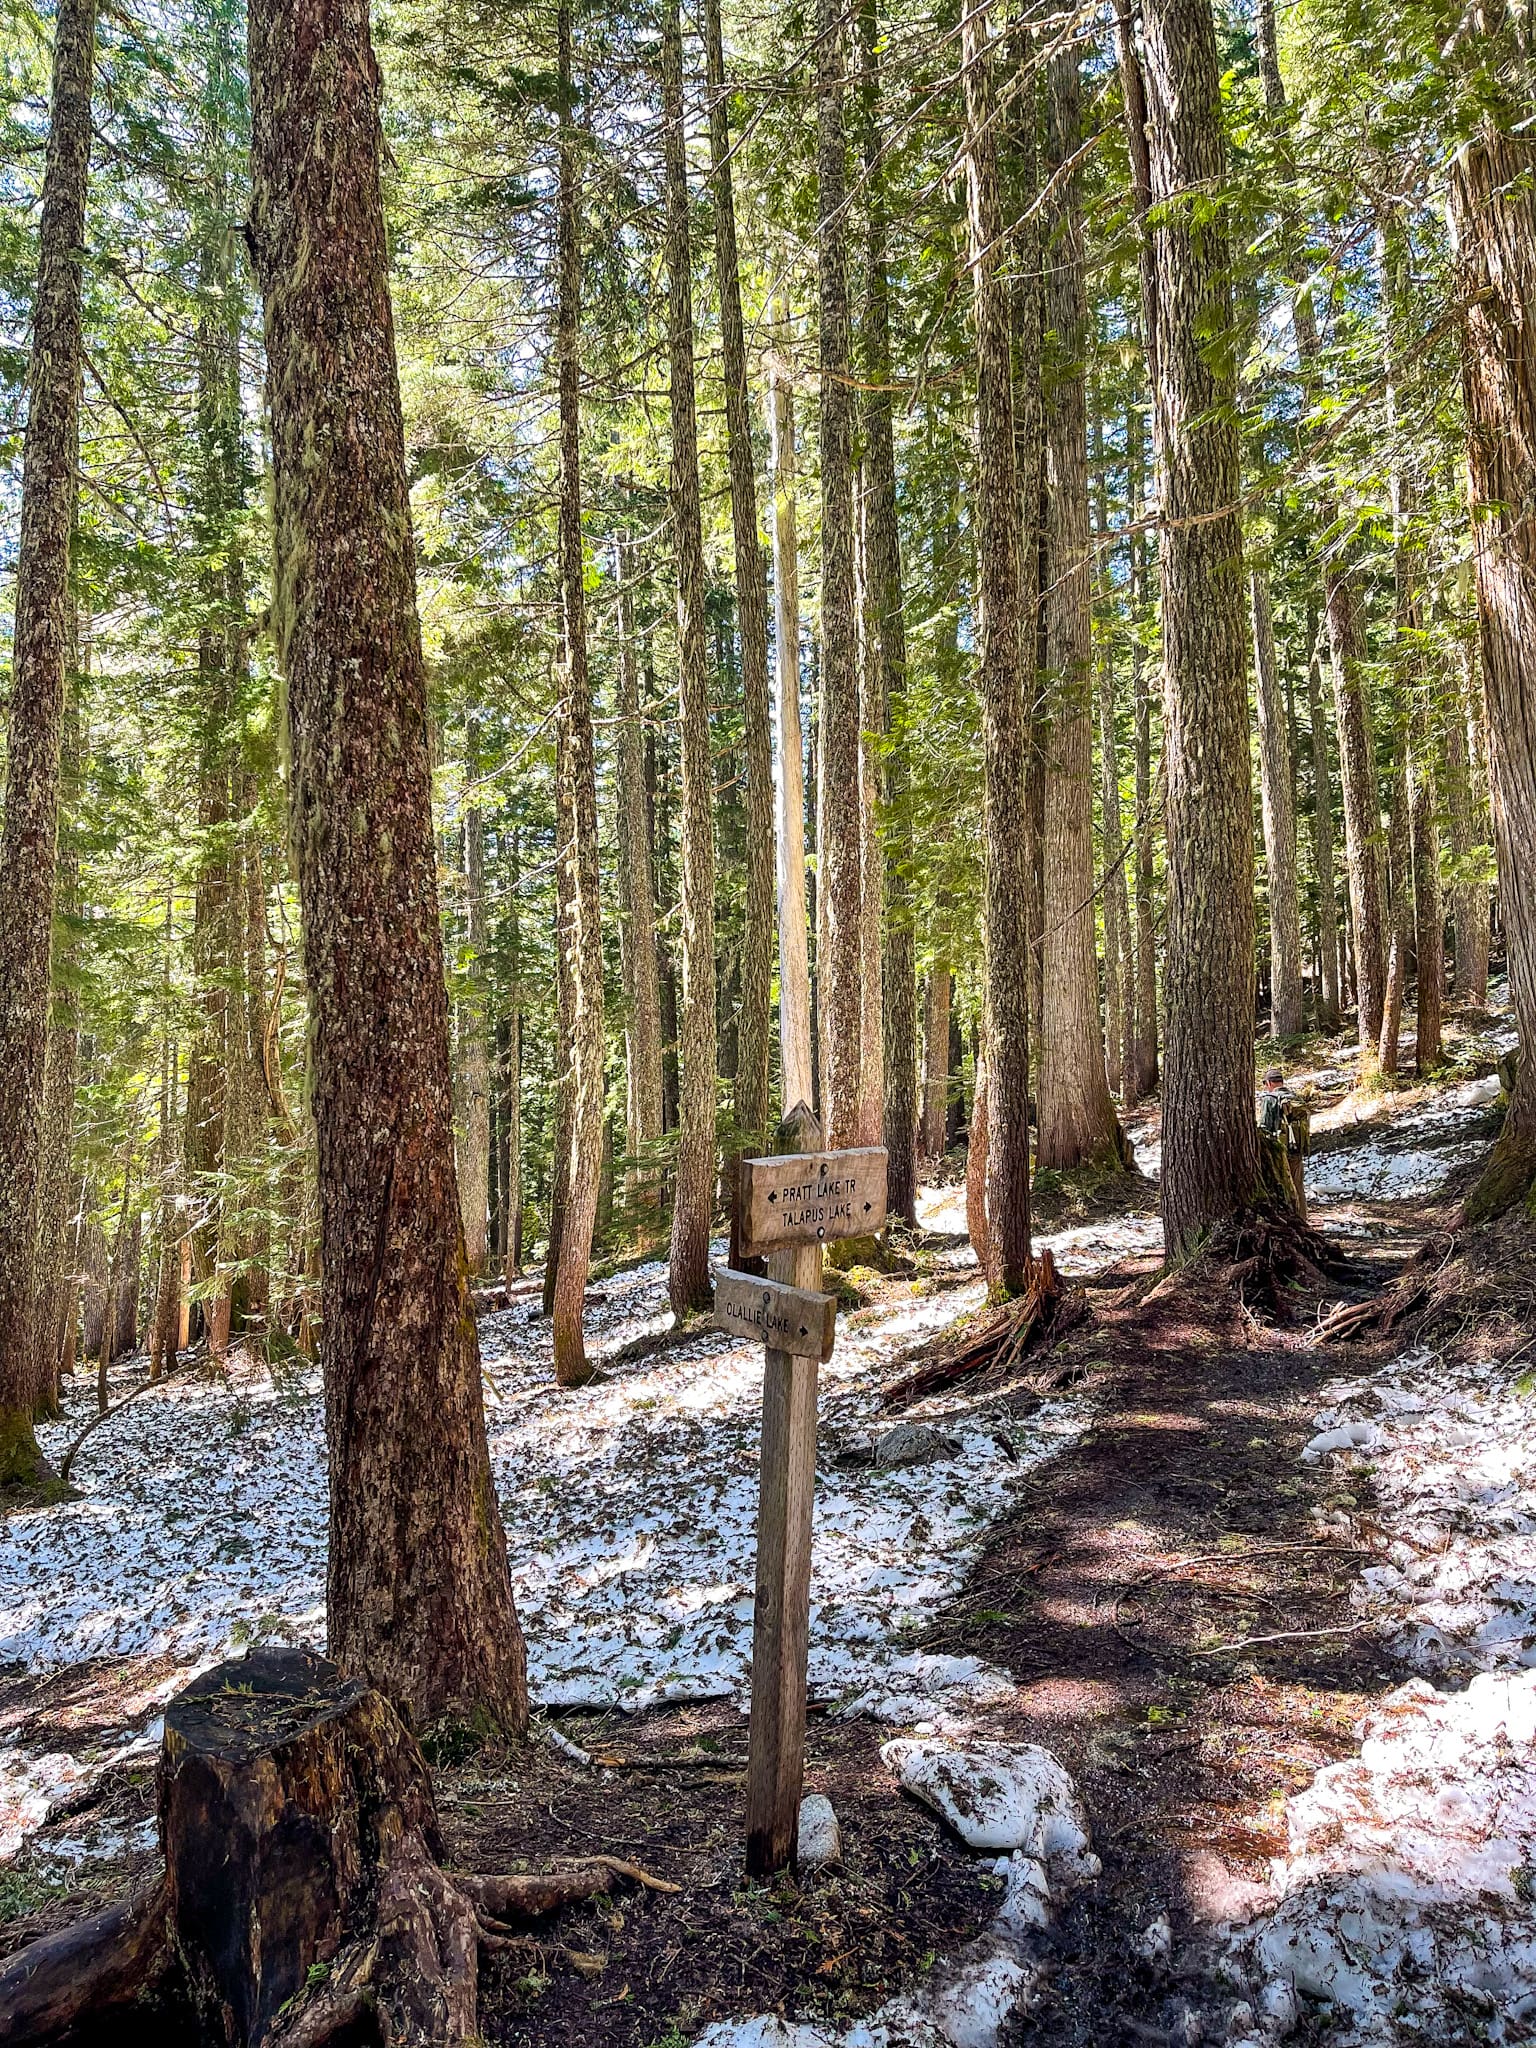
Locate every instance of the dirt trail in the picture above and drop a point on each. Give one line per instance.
(1175, 1609)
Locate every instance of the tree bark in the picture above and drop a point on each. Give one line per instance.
(1210, 1147)
(1004, 1252)
(1119, 975)
(688, 1280)
(839, 880)
(418, 1594)
(583, 934)
(1493, 208)
(752, 1111)
(39, 659)
(1277, 792)
(1077, 1117)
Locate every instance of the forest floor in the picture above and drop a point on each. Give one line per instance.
(1193, 1549)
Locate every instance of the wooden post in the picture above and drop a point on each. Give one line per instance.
(781, 1620)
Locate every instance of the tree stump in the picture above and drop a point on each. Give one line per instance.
(303, 1904)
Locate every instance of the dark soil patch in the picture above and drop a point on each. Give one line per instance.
(641, 1967)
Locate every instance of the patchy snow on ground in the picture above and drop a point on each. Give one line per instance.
(1383, 1168)
(1408, 1891)
(630, 1507)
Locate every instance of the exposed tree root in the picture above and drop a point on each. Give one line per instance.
(998, 1338)
(304, 1902)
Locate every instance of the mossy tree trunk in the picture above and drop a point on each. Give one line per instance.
(419, 1598)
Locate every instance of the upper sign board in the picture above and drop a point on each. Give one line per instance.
(811, 1197)
(784, 1318)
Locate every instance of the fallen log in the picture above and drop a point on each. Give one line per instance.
(304, 1903)
(1047, 1309)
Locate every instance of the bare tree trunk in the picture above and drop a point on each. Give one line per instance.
(583, 932)
(752, 1112)
(797, 1065)
(1277, 789)
(475, 1046)
(936, 1063)
(39, 659)
(1077, 1118)
(688, 1282)
(1004, 1248)
(418, 1594)
(839, 876)
(1468, 830)
(512, 1163)
(1210, 1147)
(1328, 935)
(1493, 209)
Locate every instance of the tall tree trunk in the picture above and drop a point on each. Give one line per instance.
(688, 1280)
(1077, 1117)
(475, 1046)
(898, 971)
(1329, 1003)
(936, 1063)
(583, 933)
(1004, 1252)
(797, 1065)
(1278, 793)
(1119, 982)
(839, 879)
(1146, 827)
(1210, 1147)
(512, 1158)
(1493, 208)
(752, 1111)
(637, 883)
(418, 1594)
(55, 1276)
(561, 1148)
(1468, 833)
(39, 658)
(873, 711)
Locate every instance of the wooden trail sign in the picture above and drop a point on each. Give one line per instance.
(787, 1318)
(811, 1198)
(780, 1200)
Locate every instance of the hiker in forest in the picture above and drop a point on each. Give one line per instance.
(1287, 1118)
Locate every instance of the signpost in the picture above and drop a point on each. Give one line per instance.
(790, 1206)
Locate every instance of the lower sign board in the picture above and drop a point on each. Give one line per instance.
(784, 1318)
(811, 1197)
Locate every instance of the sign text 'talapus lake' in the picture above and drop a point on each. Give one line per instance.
(811, 1197)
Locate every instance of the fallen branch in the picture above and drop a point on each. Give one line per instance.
(106, 1414)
